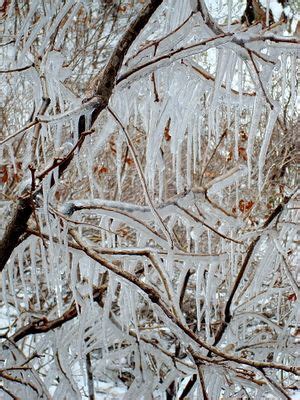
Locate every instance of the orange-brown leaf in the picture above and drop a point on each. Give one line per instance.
(128, 160)
(3, 174)
(16, 178)
(122, 9)
(102, 170)
(112, 146)
(292, 297)
(230, 155)
(243, 153)
(245, 206)
(243, 135)
(167, 134)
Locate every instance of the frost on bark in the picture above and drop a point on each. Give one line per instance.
(148, 200)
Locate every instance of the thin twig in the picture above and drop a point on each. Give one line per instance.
(197, 219)
(7, 71)
(142, 178)
(25, 128)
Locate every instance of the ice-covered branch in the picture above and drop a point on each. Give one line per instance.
(43, 325)
(17, 69)
(249, 254)
(165, 60)
(143, 180)
(154, 297)
(104, 85)
(135, 250)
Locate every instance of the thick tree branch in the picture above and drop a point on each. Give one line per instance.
(104, 84)
(15, 228)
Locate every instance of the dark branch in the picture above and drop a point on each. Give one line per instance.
(15, 229)
(103, 88)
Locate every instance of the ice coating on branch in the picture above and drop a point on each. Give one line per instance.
(95, 294)
(228, 179)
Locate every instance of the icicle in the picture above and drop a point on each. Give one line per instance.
(119, 145)
(229, 5)
(198, 299)
(219, 116)
(237, 197)
(256, 114)
(91, 274)
(240, 84)
(196, 237)
(211, 122)
(264, 148)
(45, 266)
(89, 166)
(222, 65)
(208, 240)
(132, 306)
(179, 184)
(71, 20)
(195, 145)
(12, 280)
(33, 36)
(293, 81)
(32, 250)
(161, 176)
(42, 142)
(58, 292)
(107, 307)
(236, 133)
(62, 13)
(26, 25)
(188, 237)
(207, 313)
(36, 86)
(231, 259)
(4, 292)
(169, 266)
(73, 283)
(278, 308)
(12, 158)
(229, 78)
(154, 137)
(57, 138)
(199, 135)
(22, 276)
(283, 74)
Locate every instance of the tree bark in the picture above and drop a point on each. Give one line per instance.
(104, 84)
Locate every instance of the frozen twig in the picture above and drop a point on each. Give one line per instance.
(104, 85)
(143, 180)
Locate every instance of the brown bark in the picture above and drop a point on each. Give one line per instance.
(102, 91)
(15, 228)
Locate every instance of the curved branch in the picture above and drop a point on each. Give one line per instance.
(227, 313)
(154, 297)
(104, 84)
